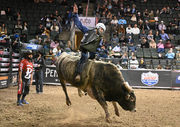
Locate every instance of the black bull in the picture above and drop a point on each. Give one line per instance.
(102, 81)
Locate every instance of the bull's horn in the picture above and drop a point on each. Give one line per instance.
(128, 87)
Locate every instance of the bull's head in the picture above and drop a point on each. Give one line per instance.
(128, 99)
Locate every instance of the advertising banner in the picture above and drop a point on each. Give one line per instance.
(135, 78)
(88, 21)
(148, 78)
(175, 79)
(14, 79)
(50, 75)
(3, 80)
(32, 46)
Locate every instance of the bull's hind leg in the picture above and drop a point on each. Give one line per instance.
(115, 108)
(100, 98)
(68, 102)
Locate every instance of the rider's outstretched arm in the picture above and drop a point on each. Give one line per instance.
(84, 29)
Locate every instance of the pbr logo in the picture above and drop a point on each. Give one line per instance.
(149, 78)
(178, 79)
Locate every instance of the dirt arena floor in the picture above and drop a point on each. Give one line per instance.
(155, 108)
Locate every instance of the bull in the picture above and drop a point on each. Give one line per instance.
(101, 80)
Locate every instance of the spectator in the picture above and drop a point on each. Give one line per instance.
(157, 37)
(131, 47)
(46, 33)
(114, 21)
(170, 54)
(129, 30)
(109, 16)
(17, 17)
(146, 13)
(142, 64)
(102, 53)
(144, 43)
(124, 48)
(150, 35)
(160, 47)
(124, 59)
(164, 36)
(178, 56)
(54, 44)
(161, 26)
(133, 18)
(110, 52)
(143, 34)
(40, 30)
(18, 27)
(68, 47)
(146, 25)
(122, 21)
(139, 16)
(39, 64)
(132, 54)
(48, 23)
(25, 28)
(151, 15)
(54, 30)
(3, 29)
(127, 10)
(159, 67)
(141, 24)
(121, 31)
(168, 45)
(59, 22)
(129, 39)
(117, 51)
(133, 9)
(133, 63)
(115, 39)
(152, 44)
(135, 30)
(59, 51)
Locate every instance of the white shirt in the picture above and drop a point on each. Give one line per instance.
(114, 21)
(135, 30)
(116, 49)
(134, 64)
(128, 30)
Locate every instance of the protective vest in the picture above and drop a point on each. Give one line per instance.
(90, 41)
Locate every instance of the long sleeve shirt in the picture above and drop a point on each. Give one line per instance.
(84, 29)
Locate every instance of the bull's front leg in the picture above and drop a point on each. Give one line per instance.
(68, 102)
(80, 92)
(101, 100)
(115, 108)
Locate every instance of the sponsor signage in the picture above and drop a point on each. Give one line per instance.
(175, 79)
(50, 75)
(3, 81)
(32, 46)
(135, 78)
(149, 78)
(88, 21)
(14, 80)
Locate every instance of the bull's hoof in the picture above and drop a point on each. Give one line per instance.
(117, 114)
(80, 94)
(68, 103)
(108, 120)
(77, 78)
